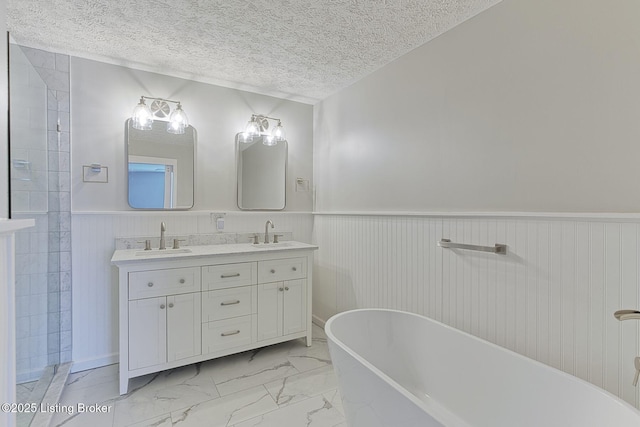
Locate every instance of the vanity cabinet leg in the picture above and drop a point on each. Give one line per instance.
(124, 384)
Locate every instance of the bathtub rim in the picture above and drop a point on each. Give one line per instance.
(418, 401)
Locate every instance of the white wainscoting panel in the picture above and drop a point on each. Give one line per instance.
(551, 298)
(94, 289)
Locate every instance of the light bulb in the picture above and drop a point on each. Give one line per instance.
(278, 132)
(269, 140)
(142, 118)
(178, 121)
(252, 128)
(245, 137)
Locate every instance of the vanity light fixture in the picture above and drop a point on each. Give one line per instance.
(258, 126)
(143, 115)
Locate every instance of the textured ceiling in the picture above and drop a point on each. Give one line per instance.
(297, 49)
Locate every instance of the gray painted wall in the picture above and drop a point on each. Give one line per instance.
(103, 97)
(529, 106)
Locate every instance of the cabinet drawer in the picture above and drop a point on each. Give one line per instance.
(145, 284)
(228, 303)
(229, 275)
(282, 269)
(228, 333)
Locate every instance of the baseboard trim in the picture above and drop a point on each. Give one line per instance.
(318, 321)
(99, 362)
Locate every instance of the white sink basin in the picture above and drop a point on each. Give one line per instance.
(164, 252)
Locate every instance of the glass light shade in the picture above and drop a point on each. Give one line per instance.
(142, 118)
(278, 132)
(178, 121)
(252, 128)
(269, 140)
(245, 137)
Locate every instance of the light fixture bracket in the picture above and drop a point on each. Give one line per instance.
(160, 108)
(263, 122)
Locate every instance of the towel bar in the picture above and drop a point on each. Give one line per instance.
(498, 248)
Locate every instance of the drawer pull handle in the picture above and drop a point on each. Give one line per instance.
(226, 276)
(226, 334)
(286, 288)
(273, 271)
(162, 306)
(182, 281)
(294, 269)
(230, 302)
(170, 305)
(150, 284)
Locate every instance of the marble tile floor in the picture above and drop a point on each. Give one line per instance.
(24, 390)
(284, 385)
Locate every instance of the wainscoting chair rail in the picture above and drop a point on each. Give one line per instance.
(498, 248)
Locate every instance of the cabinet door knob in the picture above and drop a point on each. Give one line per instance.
(286, 288)
(150, 284)
(182, 280)
(162, 306)
(294, 269)
(280, 289)
(273, 271)
(170, 305)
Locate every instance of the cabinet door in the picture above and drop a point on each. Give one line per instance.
(147, 332)
(270, 310)
(295, 306)
(183, 326)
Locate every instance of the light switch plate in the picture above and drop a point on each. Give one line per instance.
(302, 185)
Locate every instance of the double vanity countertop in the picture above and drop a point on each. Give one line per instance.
(123, 256)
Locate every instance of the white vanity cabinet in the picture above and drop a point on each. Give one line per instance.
(178, 308)
(164, 316)
(282, 292)
(164, 329)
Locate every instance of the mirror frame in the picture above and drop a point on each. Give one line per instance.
(193, 178)
(238, 176)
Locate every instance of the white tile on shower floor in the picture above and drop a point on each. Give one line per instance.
(253, 386)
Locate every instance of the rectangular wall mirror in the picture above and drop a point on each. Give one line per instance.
(160, 167)
(262, 173)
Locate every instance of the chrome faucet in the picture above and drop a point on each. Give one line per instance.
(266, 231)
(163, 228)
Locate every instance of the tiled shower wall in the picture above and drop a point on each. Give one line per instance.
(551, 298)
(43, 260)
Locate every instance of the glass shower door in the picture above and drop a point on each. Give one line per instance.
(37, 287)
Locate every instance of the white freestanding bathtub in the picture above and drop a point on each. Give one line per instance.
(397, 369)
